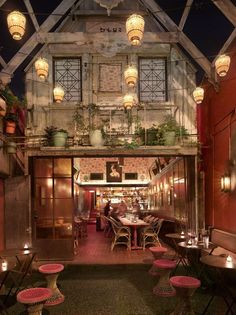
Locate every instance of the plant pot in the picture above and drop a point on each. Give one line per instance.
(11, 147)
(96, 138)
(59, 139)
(10, 127)
(151, 136)
(169, 138)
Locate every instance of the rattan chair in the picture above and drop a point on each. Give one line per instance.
(122, 235)
(150, 234)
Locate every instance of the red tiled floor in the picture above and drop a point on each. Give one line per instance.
(96, 249)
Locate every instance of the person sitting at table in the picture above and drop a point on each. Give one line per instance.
(122, 208)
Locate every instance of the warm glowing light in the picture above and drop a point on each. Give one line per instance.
(131, 76)
(4, 265)
(58, 94)
(198, 95)
(41, 67)
(128, 101)
(135, 28)
(16, 24)
(229, 258)
(222, 64)
(26, 246)
(225, 183)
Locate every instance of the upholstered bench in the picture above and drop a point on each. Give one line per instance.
(34, 299)
(157, 252)
(51, 272)
(163, 287)
(185, 287)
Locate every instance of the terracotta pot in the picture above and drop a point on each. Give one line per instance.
(10, 127)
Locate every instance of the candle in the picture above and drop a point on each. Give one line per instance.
(229, 258)
(189, 242)
(4, 265)
(26, 246)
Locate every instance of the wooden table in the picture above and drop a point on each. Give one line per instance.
(220, 263)
(134, 225)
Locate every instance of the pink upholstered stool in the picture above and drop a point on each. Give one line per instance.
(157, 252)
(34, 299)
(51, 272)
(163, 287)
(185, 288)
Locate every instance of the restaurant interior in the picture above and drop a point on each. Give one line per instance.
(118, 157)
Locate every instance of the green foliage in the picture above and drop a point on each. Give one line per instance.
(12, 100)
(49, 132)
(11, 117)
(130, 145)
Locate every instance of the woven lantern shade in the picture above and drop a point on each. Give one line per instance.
(131, 76)
(58, 94)
(41, 67)
(135, 28)
(128, 101)
(198, 95)
(16, 24)
(222, 64)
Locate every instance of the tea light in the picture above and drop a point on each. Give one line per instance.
(189, 242)
(4, 265)
(26, 246)
(182, 233)
(229, 258)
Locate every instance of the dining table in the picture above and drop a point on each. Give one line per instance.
(134, 224)
(221, 263)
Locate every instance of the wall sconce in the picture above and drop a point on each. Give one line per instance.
(225, 183)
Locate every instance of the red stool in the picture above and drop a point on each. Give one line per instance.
(157, 252)
(34, 299)
(163, 287)
(185, 287)
(51, 272)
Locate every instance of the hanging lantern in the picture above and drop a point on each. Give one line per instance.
(198, 95)
(58, 94)
(222, 64)
(135, 28)
(128, 101)
(41, 67)
(16, 24)
(131, 76)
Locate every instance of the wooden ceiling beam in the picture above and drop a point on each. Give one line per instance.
(2, 2)
(31, 14)
(185, 14)
(113, 12)
(32, 42)
(85, 38)
(186, 43)
(227, 8)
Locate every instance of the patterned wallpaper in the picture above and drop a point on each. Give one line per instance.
(98, 165)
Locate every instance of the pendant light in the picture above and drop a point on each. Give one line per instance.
(58, 94)
(16, 24)
(222, 64)
(135, 28)
(198, 95)
(41, 67)
(128, 101)
(131, 76)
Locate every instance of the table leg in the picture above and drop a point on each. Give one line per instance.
(135, 241)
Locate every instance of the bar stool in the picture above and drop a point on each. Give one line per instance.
(185, 287)
(34, 299)
(163, 287)
(51, 272)
(157, 252)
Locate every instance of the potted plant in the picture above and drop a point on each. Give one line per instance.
(81, 127)
(96, 126)
(151, 135)
(55, 137)
(169, 130)
(59, 137)
(11, 147)
(11, 120)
